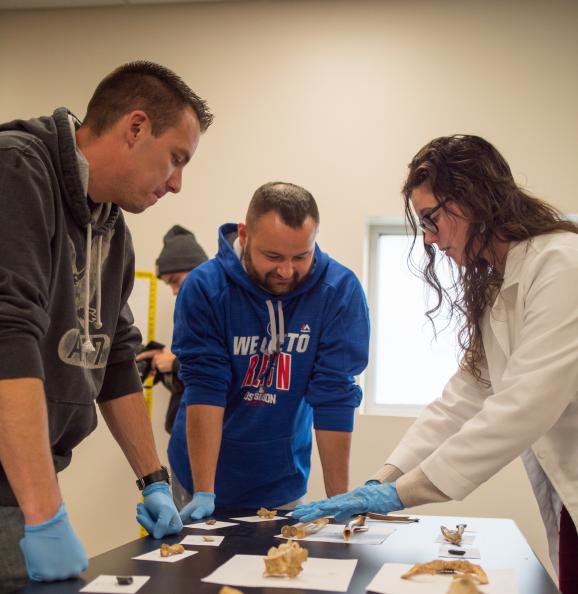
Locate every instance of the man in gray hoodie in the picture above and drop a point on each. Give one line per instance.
(66, 331)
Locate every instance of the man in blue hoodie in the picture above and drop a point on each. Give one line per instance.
(66, 332)
(270, 335)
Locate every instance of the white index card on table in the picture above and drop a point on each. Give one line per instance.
(334, 533)
(156, 556)
(318, 574)
(202, 540)
(105, 584)
(204, 526)
(388, 581)
(467, 539)
(259, 519)
(468, 552)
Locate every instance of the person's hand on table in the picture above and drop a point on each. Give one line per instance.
(51, 550)
(158, 514)
(201, 506)
(378, 498)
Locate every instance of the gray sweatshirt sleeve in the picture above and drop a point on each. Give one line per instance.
(25, 261)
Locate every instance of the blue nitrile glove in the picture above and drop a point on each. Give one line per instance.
(158, 514)
(378, 498)
(201, 506)
(52, 550)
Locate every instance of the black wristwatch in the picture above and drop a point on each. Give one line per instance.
(154, 477)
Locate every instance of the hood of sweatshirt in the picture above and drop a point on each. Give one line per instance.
(234, 269)
(56, 136)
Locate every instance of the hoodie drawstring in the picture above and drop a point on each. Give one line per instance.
(87, 346)
(281, 325)
(277, 339)
(98, 322)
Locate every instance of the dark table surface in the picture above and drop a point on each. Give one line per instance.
(501, 544)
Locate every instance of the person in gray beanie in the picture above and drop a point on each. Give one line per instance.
(180, 254)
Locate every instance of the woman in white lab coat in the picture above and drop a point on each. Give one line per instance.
(516, 391)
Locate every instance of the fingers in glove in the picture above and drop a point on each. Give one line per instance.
(168, 523)
(309, 516)
(144, 519)
(344, 517)
(199, 513)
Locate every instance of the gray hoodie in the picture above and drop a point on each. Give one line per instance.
(65, 277)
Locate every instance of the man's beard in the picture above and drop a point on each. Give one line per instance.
(267, 281)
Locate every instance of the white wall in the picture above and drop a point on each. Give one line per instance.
(335, 96)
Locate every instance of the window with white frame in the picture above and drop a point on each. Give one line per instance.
(408, 365)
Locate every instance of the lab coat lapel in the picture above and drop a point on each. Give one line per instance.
(505, 303)
(499, 324)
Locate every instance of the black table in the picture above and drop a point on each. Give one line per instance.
(500, 542)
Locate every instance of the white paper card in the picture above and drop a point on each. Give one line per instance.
(108, 583)
(467, 539)
(156, 556)
(388, 581)
(199, 539)
(318, 574)
(204, 526)
(470, 552)
(334, 533)
(258, 519)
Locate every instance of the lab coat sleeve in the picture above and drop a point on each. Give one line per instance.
(539, 381)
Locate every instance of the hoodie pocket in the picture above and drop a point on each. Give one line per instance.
(252, 464)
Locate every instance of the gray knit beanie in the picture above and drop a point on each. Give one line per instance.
(180, 252)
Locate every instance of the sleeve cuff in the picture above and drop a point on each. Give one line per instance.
(120, 379)
(386, 474)
(403, 459)
(414, 488)
(193, 396)
(20, 357)
(446, 478)
(327, 418)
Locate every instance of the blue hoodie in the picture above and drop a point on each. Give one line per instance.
(276, 363)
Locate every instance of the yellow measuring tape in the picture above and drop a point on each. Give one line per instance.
(151, 320)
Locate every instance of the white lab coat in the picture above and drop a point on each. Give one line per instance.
(531, 408)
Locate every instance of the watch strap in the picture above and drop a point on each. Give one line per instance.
(154, 477)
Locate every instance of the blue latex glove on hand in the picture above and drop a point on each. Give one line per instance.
(377, 498)
(52, 550)
(201, 506)
(158, 514)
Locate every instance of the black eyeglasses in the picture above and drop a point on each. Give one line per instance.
(426, 223)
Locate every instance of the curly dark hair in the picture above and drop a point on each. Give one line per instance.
(471, 173)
